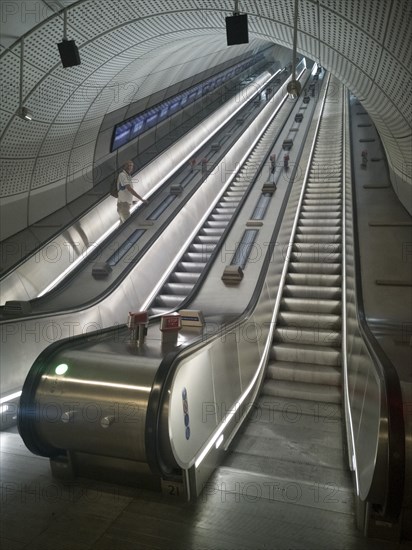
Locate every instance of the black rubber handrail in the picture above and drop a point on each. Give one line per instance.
(388, 374)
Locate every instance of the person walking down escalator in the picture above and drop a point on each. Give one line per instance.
(126, 191)
(272, 168)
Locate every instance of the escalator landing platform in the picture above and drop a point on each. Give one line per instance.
(42, 513)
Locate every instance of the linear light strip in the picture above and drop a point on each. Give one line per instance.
(10, 397)
(146, 389)
(82, 257)
(351, 434)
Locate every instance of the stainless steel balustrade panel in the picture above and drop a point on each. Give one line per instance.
(365, 397)
(208, 377)
(96, 409)
(22, 341)
(35, 274)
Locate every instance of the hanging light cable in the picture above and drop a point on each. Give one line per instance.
(69, 52)
(23, 112)
(237, 27)
(294, 87)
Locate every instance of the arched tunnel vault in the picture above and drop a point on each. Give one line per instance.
(132, 48)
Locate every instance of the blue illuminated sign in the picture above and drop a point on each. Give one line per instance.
(137, 125)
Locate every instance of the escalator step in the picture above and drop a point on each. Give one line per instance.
(300, 390)
(304, 372)
(303, 353)
(306, 320)
(307, 336)
(331, 307)
(312, 292)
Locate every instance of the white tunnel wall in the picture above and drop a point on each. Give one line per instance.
(129, 48)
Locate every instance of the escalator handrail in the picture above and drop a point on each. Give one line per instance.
(388, 375)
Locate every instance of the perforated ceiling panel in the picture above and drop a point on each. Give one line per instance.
(131, 48)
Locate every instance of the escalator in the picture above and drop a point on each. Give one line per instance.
(37, 271)
(188, 270)
(185, 275)
(292, 448)
(261, 403)
(307, 339)
(101, 301)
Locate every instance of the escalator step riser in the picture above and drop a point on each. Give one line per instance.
(323, 203)
(184, 277)
(196, 257)
(324, 182)
(300, 320)
(311, 238)
(334, 204)
(169, 301)
(315, 222)
(307, 305)
(313, 279)
(229, 204)
(318, 208)
(292, 391)
(306, 232)
(191, 267)
(316, 248)
(328, 187)
(179, 289)
(320, 216)
(309, 374)
(215, 224)
(212, 232)
(236, 194)
(315, 268)
(202, 248)
(317, 355)
(315, 257)
(309, 337)
(158, 311)
(313, 193)
(312, 292)
(208, 240)
(220, 218)
(225, 209)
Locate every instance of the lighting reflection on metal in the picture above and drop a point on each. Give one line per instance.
(25, 113)
(238, 403)
(219, 441)
(154, 189)
(349, 419)
(294, 88)
(82, 257)
(241, 99)
(146, 389)
(173, 262)
(61, 369)
(10, 397)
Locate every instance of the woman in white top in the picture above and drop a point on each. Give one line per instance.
(126, 191)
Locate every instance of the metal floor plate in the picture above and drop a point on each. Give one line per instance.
(41, 513)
